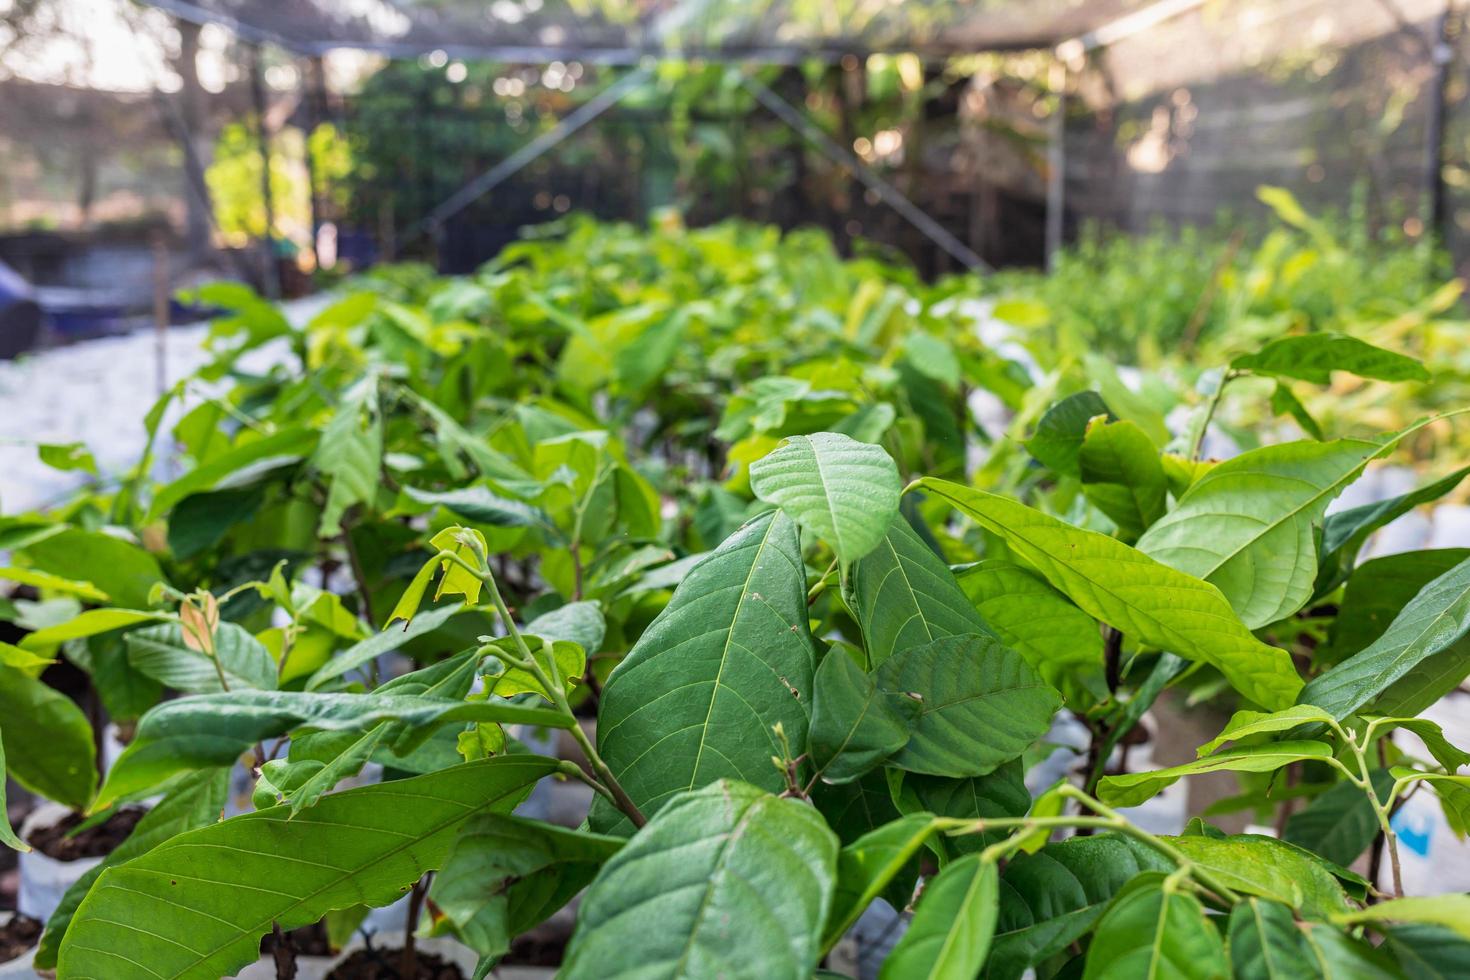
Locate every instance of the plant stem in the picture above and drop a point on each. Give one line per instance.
(408, 964)
(1214, 403)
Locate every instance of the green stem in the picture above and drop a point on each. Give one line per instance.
(1214, 403)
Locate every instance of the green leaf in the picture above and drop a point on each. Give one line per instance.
(854, 725)
(1061, 641)
(1121, 475)
(201, 520)
(119, 568)
(841, 491)
(1248, 526)
(1451, 757)
(1265, 943)
(1377, 592)
(196, 802)
(1001, 793)
(7, 833)
(1057, 441)
(1153, 930)
(1131, 789)
(729, 658)
(1051, 898)
(161, 653)
(867, 865)
(580, 622)
(980, 704)
(1428, 952)
(904, 595)
(856, 808)
(67, 456)
(46, 582)
(197, 905)
(950, 934)
(1147, 601)
(1452, 911)
(350, 455)
(214, 729)
(1344, 533)
(1433, 621)
(1340, 824)
(1268, 868)
(89, 623)
(569, 658)
(481, 505)
(239, 466)
(712, 869)
(1313, 357)
(1285, 402)
(1335, 954)
(46, 740)
(378, 644)
(505, 875)
(1244, 724)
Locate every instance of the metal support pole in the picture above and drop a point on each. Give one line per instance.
(257, 94)
(1056, 164)
(518, 160)
(889, 194)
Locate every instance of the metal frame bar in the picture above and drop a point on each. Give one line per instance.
(889, 194)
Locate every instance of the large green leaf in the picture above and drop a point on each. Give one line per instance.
(1001, 793)
(980, 704)
(161, 653)
(713, 869)
(1344, 533)
(214, 729)
(840, 490)
(481, 505)
(581, 623)
(1266, 867)
(196, 801)
(1428, 952)
(869, 864)
(47, 740)
(1051, 898)
(950, 934)
(1131, 789)
(1061, 641)
(1057, 441)
(1121, 475)
(1248, 526)
(1340, 824)
(1452, 911)
(1377, 592)
(905, 595)
(350, 455)
(1153, 930)
(240, 466)
(197, 905)
(1149, 602)
(1436, 619)
(201, 519)
(1336, 954)
(504, 875)
(1314, 356)
(855, 726)
(1248, 724)
(119, 568)
(727, 660)
(1265, 943)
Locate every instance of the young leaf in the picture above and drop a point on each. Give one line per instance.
(684, 886)
(1152, 930)
(1061, 641)
(1313, 357)
(840, 490)
(197, 905)
(47, 740)
(1121, 475)
(1057, 441)
(854, 726)
(214, 729)
(980, 704)
(161, 653)
(1147, 601)
(1244, 724)
(47, 582)
(1437, 618)
(1131, 789)
(1248, 526)
(505, 875)
(1051, 898)
(350, 455)
(1265, 943)
(950, 934)
(905, 596)
(195, 802)
(867, 865)
(1452, 911)
(727, 660)
(90, 623)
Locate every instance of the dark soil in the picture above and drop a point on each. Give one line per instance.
(545, 945)
(307, 941)
(382, 964)
(98, 841)
(18, 935)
